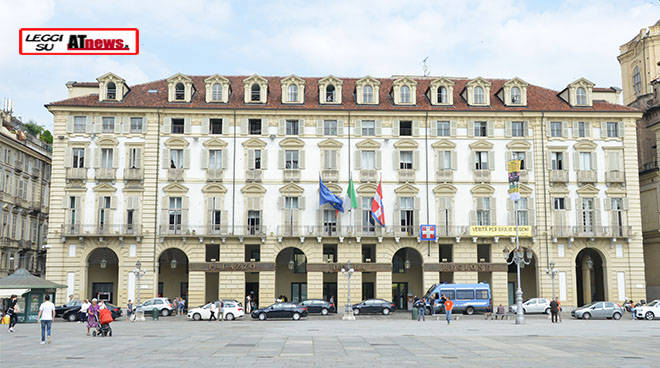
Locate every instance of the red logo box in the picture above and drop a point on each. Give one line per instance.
(79, 41)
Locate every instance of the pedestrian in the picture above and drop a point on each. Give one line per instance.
(213, 308)
(45, 316)
(93, 315)
(420, 304)
(500, 312)
(432, 304)
(554, 309)
(11, 311)
(221, 314)
(449, 305)
(558, 309)
(182, 305)
(129, 310)
(332, 300)
(82, 313)
(248, 306)
(632, 309)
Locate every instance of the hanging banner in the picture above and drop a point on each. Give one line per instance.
(497, 230)
(513, 169)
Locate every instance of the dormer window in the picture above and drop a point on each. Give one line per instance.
(442, 95)
(255, 95)
(515, 96)
(293, 93)
(111, 91)
(405, 94)
(330, 89)
(478, 95)
(179, 92)
(581, 96)
(367, 94)
(217, 92)
(330, 93)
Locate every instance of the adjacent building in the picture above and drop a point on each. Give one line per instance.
(212, 183)
(24, 198)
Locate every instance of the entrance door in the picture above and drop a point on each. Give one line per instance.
(329, 289)
(367, 290)
(512, 293)
(252, 289)
(400, 295)
(298, 292)
(103, 291)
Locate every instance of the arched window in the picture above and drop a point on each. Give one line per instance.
(179, 92)
(581, 95)
(256, 93)
(330, 93)
(367, 94)
(515, 95)
(217, 92)
(478, 95)
(637, 81)
(293, 93)
(442, 95)
(111, 91)
(405, 94)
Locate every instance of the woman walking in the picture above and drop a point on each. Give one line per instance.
(11, 311)
(82, 313)
(93, 315)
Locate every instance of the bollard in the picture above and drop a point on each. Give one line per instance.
(414, 313)
(154, 314)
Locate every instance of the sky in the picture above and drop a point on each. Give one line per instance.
(548, 43)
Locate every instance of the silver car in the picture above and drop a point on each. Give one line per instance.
(598, 310)
(534, 305)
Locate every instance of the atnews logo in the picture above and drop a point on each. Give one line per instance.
(79, 41)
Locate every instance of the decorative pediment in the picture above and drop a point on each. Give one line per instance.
(110, 77)
(330, 143)
(406, 189)
(293, 79)
(331, 79)
(442, 81)
(481, 145)
(216, 79)
(582, 82)
(176, 142)
(518, 145)
(525, 190)
(214, 95)
(368, 80)
(559, 190)
(107, 141)
(482, 189)
(104, 188)
(262, 83)
(405, 144)
(368, 144)
(444, 190)
(254, 143)
(437, 98)
(405, 81)
(366, 189)
(616, 190)
(515, 82)
(255, 79)
(178, 77)
(253, 189)
(585, 145)
(292, 142)
(444, 145)
(175, 188)
(478, 81)
(334, 188)
(215, 143)
(214, 188)
(587, 190)
(292, 190)
(330, 96)
(557, 148)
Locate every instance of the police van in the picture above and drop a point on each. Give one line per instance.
(467, 298)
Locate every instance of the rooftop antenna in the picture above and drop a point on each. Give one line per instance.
(425, 67)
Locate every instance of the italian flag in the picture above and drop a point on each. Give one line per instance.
(350, 201)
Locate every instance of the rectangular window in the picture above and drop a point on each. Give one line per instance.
(518, 128)
(174, 213)
(106, 158)
(585, 161)
(480, 128)
(136, 125)
(582, 129)
(178, 126)
(79, 124)
(254, 222)
(612, 129)
(483, 253)
(555, 129)
(215, 126)
(481, 160)
(587, 214)
(292, 127)
(559, 204)
(329, 221)
(406, 160)
(254, 126)
(464, 294)
(72, 210)
(446, 252)
(444, 129)
(129, 219)
(368, 127)
(405, 128)
(133, 158)
(108, 125)
(483, 211)
(104, 211)
(330, 127)
(257, 159)
(368, 224)
(291, 157)
(215, 159)
(523, 212)
(176, 159)
(557, 160)
(291, 203)
(368, 159)
(407, 211)
(330, 159)
(519, 156)
(78, 158)
(444, 160)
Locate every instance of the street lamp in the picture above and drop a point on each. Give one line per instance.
(173, 263)
(103, 263)
(139, 272)
(348, 312)
(519, 258)
(552, 271)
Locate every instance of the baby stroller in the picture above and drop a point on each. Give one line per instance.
(105, 318)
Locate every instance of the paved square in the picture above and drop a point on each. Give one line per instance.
(322, 342)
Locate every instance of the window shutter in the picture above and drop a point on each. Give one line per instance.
(416, 215)
(186, 158)
(510, 209)
(98, 124)
(396, 218)
(282, 127)
(548, 130)
(319, 127)
(625, 203)
(319, 217)
(358, 128)
(184, 212)
(470, 128)
(301, 126)
(576, 161)
(395, 160)
(620, 127)
(415, 128)
(597, 212)
(529, 161)
(69, 124)
(113, 202)
(186, 125)
(89, 124)
(281, 159)
(507, 129)
(594, 161)
(440, 161)
(280, 203)
(166, 159)
(164, 207)
(567, 203)
(250, 159)
(491, 128)
(603, 130)
(340, 128)
(264, 126)
(493, 211)
(205, 126)
(587, 129)
(209, 211)
(395, 128)
(301, 159)
(576, 131)
(531, 213)
(88, 160)
(452, 128)
(125, 124)
(224, 154)
(473, 160)
(264, 159)
(416, 160)
(68, 158)
(606, 204)
(205, 159)
(325, 157)
(115, 158)
(433, 129)
(78, 212)
(97, 158)
(356, 160)
(244, 126)
(527, 130)
(454, 165)
(379, 128)
(507, 156)
(167, 125)
(491, 160)
(379, 160)
(564, 129)
(473, 217)
(301, 202)
(117, 127)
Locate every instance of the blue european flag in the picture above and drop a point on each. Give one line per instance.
(326, 196)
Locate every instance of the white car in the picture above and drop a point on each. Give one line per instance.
(534, 305)
(231, 310)
(649, 311)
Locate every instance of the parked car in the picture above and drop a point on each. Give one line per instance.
(534, 305)
(649, 311)
(60, 310)
(231, 309)
(280, 310)
(598, 310)
(373, 306)
(467, 298)
(162, 305)
(71, 315)
(318, 306)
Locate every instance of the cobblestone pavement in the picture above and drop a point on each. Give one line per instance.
(321, 342)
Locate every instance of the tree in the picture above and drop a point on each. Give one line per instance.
(46, 137)
(34, 129)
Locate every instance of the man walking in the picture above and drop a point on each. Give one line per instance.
(449, 305)
(420, 304)
(554, 309)
(45, 316)
(11, 311)
(212, 309)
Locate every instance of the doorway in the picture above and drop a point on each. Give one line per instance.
(298, 292)
(400, 295)
(511, 287)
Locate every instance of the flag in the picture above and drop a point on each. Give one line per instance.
(377, 211)
(350, 201)
(326, 196)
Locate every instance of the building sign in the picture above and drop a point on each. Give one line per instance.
(78, 41)
(513, 169)
(231, 266)
(466, 267)
(495, 230)
(428, 232)
(358, 267)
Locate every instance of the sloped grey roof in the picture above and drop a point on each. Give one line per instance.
(22, 279)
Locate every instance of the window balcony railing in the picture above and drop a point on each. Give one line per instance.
(133, 174)
(291, 175)
(254, 175)
(591, 231)
(251, 230)
(444, 175)
(614, 176)
(18, 165)
(586, 176)
(214, 174)
(330, 175)
(105, 174)
(406, 176)
(101, 230)
(524, 176)
(368, 175)
(175, 174)
(406, 230)
(35, 171)
(75, 173)
(559, 176)
(452, 231)
(481, 176)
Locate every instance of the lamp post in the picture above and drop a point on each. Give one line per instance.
(348, 312)
(552, 271)
(139, 272)
(520, 258)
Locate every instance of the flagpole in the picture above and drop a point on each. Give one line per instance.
(426, 159)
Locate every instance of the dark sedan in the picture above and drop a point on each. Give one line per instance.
(375, 306)
(72, 314)
(280, 310)
(61, 309)
(318, 306)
